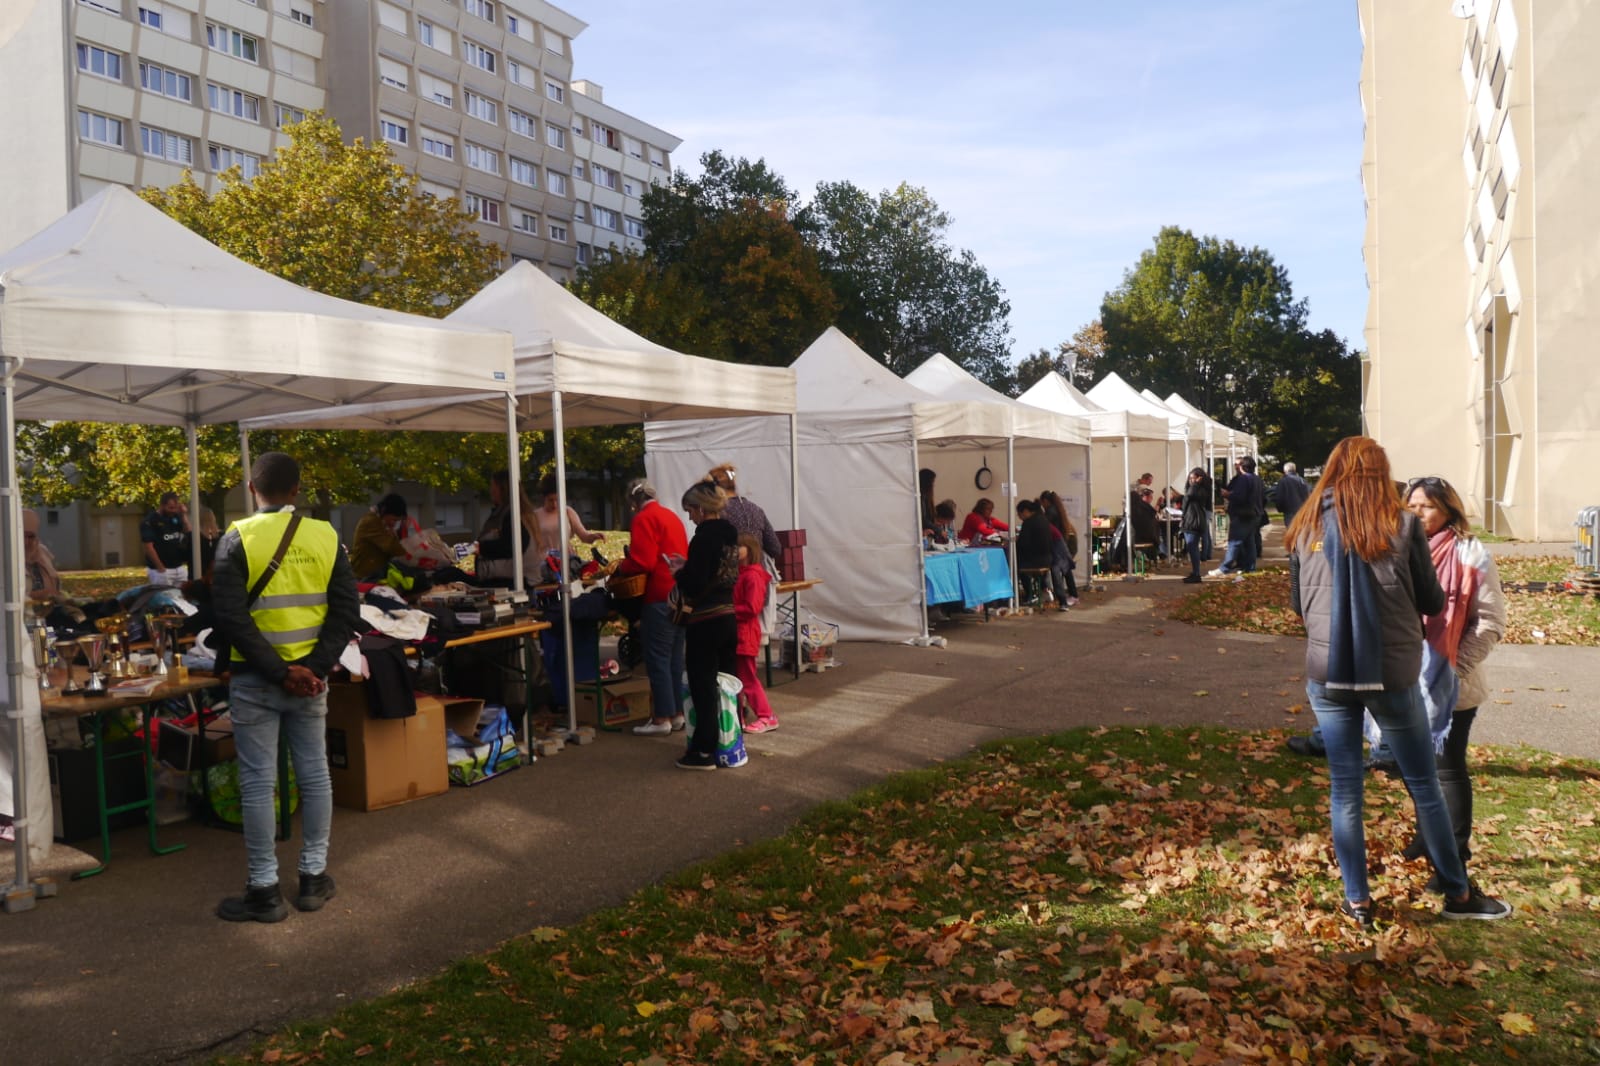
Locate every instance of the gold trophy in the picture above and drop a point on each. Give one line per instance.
(115, 628)
(44, 646)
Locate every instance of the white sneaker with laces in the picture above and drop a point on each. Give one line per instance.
(653, 729)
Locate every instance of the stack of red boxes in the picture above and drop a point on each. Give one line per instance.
(792, 563)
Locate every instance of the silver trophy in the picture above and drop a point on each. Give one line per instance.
(94, 652)
(160, 627)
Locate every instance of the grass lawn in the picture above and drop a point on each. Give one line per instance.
(1099, 896)
(1261, 605)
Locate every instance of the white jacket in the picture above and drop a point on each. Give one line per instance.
(1486, 623)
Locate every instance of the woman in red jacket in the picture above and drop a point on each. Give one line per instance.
(982, 523)
(749, 600)
(657, 547)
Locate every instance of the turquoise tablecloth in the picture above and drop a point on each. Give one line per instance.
(979, 575)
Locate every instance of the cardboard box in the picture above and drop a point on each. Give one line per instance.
(381, 762)
(178, 746)
(792, 564)
(623, 702)
(792, 538)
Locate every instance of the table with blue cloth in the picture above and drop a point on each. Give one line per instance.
(971, 577)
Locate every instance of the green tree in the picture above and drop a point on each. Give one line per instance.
(677, 212)
(1077, 360)
(342, 219)
(905, 292)
(1218, 323)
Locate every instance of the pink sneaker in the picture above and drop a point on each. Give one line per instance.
(762, 725)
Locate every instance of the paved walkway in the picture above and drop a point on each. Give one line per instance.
(131, 967)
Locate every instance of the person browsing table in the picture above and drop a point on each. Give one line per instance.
(286, 603)
(657, 547)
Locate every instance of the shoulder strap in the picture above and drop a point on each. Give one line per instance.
(277, 560)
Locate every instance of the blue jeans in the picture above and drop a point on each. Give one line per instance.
(663, 660)
(258, 707)
(1193, 544)
(1405, 729)
(1241, 553)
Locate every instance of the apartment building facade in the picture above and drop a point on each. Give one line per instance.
(1482, 140)
(476, 96)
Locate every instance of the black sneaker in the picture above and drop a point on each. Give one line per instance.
(315, 890)
(1476, 906)
(697, 760)
(258, 904)
(1193, 579)
(1306, 746)
(1363, 914)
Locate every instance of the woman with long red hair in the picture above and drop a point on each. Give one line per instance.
(1361, 576)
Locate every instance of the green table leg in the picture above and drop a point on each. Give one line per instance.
(146, 756)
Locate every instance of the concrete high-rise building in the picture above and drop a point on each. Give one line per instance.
(1482, 145)
(476, 96)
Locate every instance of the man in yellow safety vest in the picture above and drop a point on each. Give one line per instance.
(286, 604)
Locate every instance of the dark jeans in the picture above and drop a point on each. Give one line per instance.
(1070, 579)
(1455, 780)
(708, 650)
(1194, 544)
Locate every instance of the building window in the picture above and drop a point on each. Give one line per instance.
(633, 147)
(555, 91)
(437, 90)
(233, 102)
(557, 232)
(577, 126)
(113, 6)
(481, 107)
(605, 218)
(481, 158)
(394, 73)
(486, 209)
(222, 157)
(603, 135)
(302, 17)
(524, 173)
(522, 74)
(285, 115)
(555, 136)
(583, 253)
(578, 171)
(629, 188)
(484, 9)
(658, 158)
(393, 130)
(440, 145)
(519, 26)
(296, 65)
(555, 43)
(524, 221)
(434, 37)
(392, 18)
(150, 15)
(522, 124)
(99, 62)
(100, 129)
(435, 190)
(232, 42)
(162, 144)
(633, 228)
(580, 211)
(165, 82)
(556, 182)
(605, 177)
(479, 56)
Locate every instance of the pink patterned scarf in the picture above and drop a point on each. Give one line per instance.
(1460, 584)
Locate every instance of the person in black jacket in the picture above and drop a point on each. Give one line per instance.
(1142, 514)
(705, 586)
(1196, 520)
(1034, 550)
(1247, 509)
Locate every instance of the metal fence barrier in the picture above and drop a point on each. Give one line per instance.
(1586, 548)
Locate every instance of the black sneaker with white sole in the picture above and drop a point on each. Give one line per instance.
(1476, 906)
(697, 760)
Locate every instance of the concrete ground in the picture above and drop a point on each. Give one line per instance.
(132, 966)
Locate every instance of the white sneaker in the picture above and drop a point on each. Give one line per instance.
(1072, 601)
(679, 724)
(653, 729)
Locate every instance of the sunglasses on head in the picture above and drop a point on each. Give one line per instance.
(1425, 482)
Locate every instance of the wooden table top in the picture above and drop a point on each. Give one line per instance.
(786, 587)
(78, 706)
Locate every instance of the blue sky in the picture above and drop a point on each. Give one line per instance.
(1059, 136)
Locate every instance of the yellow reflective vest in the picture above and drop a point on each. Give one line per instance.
(291, 609)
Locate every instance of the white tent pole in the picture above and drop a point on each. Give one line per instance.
(1088, 516)
(1011, 494)
(191, 434)
(23, 891)
(514, 489)
(794, 470)
(922, 562)
(1127, 512)
(566, 536)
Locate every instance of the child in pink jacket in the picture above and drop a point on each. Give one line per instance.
(749, 597)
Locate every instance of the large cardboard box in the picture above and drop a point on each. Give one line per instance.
(381, 762)
(623, 702)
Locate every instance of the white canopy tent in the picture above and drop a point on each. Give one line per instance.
(574, 366)
(1111, 432)
(1187, 431)
(863, 435)
(118, 313)
(1236, 441)
(1044, 449)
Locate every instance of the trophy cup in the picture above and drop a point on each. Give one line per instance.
(115, 628)
(160, 628)
(94, 651)
(44, 646)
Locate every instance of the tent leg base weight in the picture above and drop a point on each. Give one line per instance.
(19, 898)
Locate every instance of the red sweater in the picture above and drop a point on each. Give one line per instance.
(656, 533)
(749, 598)
(978, 526)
